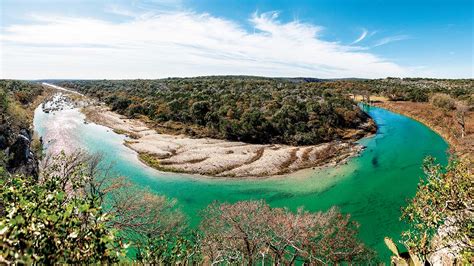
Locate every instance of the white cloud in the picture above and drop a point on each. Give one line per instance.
(118, 10)
(361, 37)
(391, 39)
(158, 4)
(179, 44)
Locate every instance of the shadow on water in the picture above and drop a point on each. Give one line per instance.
(188, 200)
(280, 196)
(257, 191)
(375, 161)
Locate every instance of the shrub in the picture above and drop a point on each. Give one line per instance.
(3, 100)
(78, 214)
(443, 202)
(43, 225)
(444, 101)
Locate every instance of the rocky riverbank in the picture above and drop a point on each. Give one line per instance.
(220, 158)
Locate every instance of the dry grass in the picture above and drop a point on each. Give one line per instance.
(154, 162)
(193, 161)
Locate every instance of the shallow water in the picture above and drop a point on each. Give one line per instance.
(371, 187)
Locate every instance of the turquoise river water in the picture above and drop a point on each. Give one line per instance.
(371, 187)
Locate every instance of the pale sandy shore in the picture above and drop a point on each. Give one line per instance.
(220, 158)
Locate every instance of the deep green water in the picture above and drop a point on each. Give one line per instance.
(372, 187)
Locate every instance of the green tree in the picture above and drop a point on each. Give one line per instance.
(3, 101)
(77, 213)
(441, 213)
(42, 224)
(199, 110)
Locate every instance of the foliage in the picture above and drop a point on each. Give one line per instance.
(15, 96)
(406, 258)
(150, 225)
(444, 101)
(442, 206)
(256, 110)
(4, 101)
(21, 92)
(43, 225)
(3, 160)
(139, 212)
(410, 89)
(78, 213)
(169, 249)
(250, 231)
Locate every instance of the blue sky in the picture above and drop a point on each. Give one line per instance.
(161, 38)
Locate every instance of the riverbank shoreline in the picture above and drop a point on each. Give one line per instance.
(219, 158)
(440, 121)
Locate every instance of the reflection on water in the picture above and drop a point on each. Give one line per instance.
(371, 187)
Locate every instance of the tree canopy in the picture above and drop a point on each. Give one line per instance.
(255, 110)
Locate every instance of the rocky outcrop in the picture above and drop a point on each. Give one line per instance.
(16, 145)
(22, 160)
(18, 100)
(448, 249)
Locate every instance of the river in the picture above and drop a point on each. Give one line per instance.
(371, 187)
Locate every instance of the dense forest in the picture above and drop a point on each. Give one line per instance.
(410, 89)
(250, 109)
(294, 111)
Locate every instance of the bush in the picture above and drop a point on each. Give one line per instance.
(43, 225)
(444, 101)
(418, 96)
